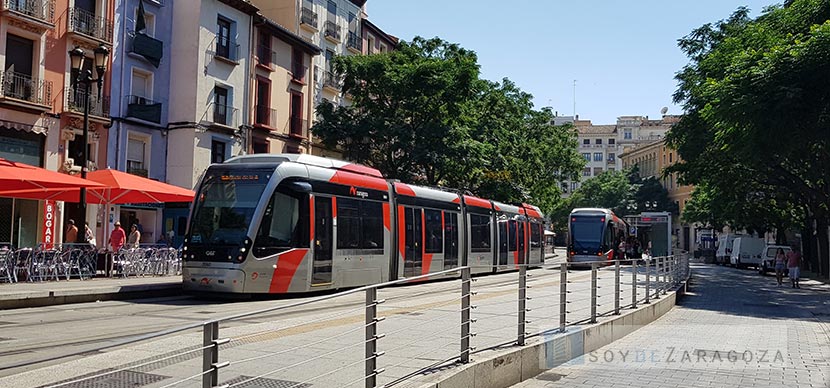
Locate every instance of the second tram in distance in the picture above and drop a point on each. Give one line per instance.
(595, 235)
(298, 223)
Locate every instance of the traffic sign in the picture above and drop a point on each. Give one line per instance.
(632, 230)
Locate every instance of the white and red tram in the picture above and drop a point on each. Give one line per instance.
(298, 223)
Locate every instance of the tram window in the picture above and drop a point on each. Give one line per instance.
(608, 238)
(359, 224)
(535, 235)
(284, 224)
(479, 233)
(521, 227)
(511, 233)
(450, 240)
(434, 234)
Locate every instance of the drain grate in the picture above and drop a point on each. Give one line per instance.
(120, 379)
(261, 382)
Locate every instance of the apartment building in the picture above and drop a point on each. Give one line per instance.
(282, 96)
(652, 159)
(209, 86)
(41, 103)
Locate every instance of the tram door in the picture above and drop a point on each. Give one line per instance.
(450, 240)
(321, 270)
(413, 242)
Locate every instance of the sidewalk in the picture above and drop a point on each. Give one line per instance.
(25, 294)
(733, 328)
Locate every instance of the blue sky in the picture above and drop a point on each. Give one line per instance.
(622, 54)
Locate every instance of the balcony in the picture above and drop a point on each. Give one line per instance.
(266, 56)
(332, 31)
(226, 49)
(354, 43)
(298, 71)
(87, 25)
(298, 128)
(143, 108)
(308, 18)
(138, 171)
(332, 82)
(222, 116)
(147, 47)
(25, 91)
(39, 14)
(612, 161)
(76, 99)
(264, 116)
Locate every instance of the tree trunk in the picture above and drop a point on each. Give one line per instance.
(823, 235)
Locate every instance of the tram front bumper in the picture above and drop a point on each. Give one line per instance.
(213, 280)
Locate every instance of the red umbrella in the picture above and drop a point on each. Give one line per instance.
(23, 177)
(115, 187)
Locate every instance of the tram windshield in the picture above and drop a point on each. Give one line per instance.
(225, 205)
(586, 233)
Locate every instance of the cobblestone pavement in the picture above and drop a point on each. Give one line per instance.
(733, 329)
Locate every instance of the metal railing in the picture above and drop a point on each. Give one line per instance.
(24, 87)
(354, 41)
(87, 23)
(298, 71)
(42, 10)
(266, 55)
(143, 108)
(298, 127)
(332, 80)
(332, 30)
(226, 48)
(308, 17)
(265, 116)
(76, 99)
(452, 322)
(221, 114)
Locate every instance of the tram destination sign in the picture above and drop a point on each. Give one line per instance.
(654, 220)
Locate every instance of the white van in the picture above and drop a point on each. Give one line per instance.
(768, 258)
(747, 251)
(724, 248)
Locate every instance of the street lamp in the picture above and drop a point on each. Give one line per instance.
(651, 205)
(77, 58)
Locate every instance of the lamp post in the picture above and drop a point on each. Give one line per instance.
(77, 58)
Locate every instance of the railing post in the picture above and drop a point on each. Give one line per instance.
(617, 287)
(465, 315)
(563, 299)
(210, 354)
(593, 293)
(648, 282)
(522, 304)
(634, 285)
(665, 266)
(371, 340)
(657, 284)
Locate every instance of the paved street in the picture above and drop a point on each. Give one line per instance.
(734, 329)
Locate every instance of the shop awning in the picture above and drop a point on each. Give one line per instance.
(39, 129)
(35, 182)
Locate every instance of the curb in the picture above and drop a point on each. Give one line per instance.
(510, 368)
(54, 297)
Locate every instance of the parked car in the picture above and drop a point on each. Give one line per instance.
(768, 258)
(724, 248)
(746, 252)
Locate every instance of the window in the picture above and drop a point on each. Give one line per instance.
(612, 169)
(297, 123)
(612, 157)
(612, 141)
(20, 56)
(217, 151)
(627, 133)
(149, 23)
(264, 49)
(371, 44)
(587, 156)
(223, 37)
(586, 171)
(285, 223)
(511, 236)
(220, 105)
(136, 156)
(597, 156)
(670, 157)
(535, 235)
(479, 233)
(382, 48)
(297, 65)
(598, 142)
(259, 146)
(433, 232)
(597, 171)
(329, 59)
(586, 141)
(263, 97)
(359, 224)
(450, 240)
(575, 185)
(141, 87)
(331, 6)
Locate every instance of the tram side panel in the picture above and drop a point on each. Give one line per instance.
(480, 234)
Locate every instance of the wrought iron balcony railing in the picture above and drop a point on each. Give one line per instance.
(76, 99)
(354, 41)
(308, 17)
(24, 87)
(220, 114)
(87, 23)
(332, 30)
(226, 48)
(265, 116)
(41, 10)
(332, 80)
(298, 127)
(266, 56)
(143, 108)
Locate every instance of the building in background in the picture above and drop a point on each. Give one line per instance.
(209, 86)
(281, 96)
(138, 142)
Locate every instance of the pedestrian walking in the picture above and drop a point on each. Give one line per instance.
(794, 266)
(118, 237)
(71, 236)
(780, 264)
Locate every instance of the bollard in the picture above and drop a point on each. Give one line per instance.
(617, 288)
(594, 293)
(522, 304)
(563, 301)
(210, 354)
(371, 345)
(648, 281)
(634, 285)
(465, 315)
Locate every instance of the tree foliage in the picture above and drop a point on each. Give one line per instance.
(422, 114)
